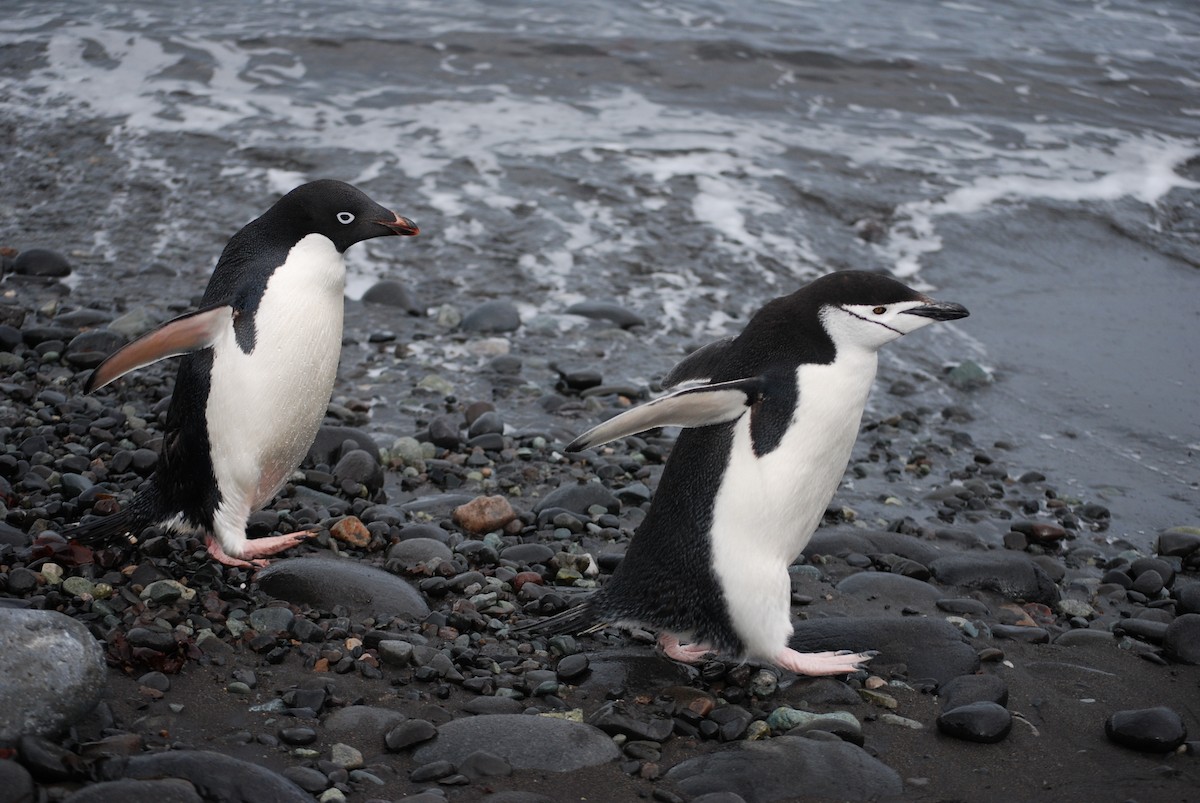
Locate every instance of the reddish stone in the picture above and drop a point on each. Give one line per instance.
(526, 577)
(352, 531)
(484, 514)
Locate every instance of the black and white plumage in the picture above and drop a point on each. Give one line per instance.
(259, 361)
(768, 434)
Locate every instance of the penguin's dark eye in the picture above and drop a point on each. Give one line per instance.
(879, 310)
(345, 217)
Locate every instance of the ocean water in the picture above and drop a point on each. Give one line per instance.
(1036, 160)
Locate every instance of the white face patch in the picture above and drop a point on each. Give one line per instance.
(345, 217)
(870, 326)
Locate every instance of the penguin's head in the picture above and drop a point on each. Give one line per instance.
(867, 310)
(339, 211)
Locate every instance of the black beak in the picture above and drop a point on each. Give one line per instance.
(940, 311)
(401, 225)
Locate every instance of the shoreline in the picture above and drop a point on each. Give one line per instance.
(931, 499)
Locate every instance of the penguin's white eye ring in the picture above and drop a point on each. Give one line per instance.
(879, 310)
(345, 217)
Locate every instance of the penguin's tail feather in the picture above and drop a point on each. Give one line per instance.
(582, 618)
(103, 532)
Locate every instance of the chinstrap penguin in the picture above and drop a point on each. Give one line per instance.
(260, 357)
(768, 434)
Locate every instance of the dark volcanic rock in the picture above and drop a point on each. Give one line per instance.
(930, 648)
(578, 497)
(1153, 730)
(607, 311)
(218, 777)
(895, 588)
(1013, 574)
(392, 293)
(362, 726)
(966, 689)
(525, 742)
(785, 767)
(984, 722)
(41, 262)
(492, 316)
(326, 582)
(870, 542)
(53, 672)
(170, 790)
(1182, 639)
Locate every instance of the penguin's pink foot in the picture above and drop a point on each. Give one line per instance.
(685, 653)
(841, 662)
(255, 551)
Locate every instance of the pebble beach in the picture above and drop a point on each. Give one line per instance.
(1025, 650)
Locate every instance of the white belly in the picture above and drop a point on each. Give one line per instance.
(768, 507)
(264, 408)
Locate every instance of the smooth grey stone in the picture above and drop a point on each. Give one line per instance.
(489, 423)
(1085, 637)
(217, 776)
(1187, 596)
(307, 778)
(527, 553)
(433, 531)
(984, 722)
(361, 726)
(41, 262)
(1178, 542)
(439, 506)
(823, 691)
(782, 768)
(272, 619)
(494, 705)
(492, 316)
(1013, 574)
(327, 447)
(391, 293)
(1144, 629)
(571, 667)
(578, 497)
(170, 790)
(361, 466)
(418, 550)
(525, 742)
(101, 341)
(326, 582)
(1182, 639)
(895, 589)
(930, 648)
(970, 607)
(1022, 633)
(966, 689)
(53, 669)
(872, 542)
(395, 652)
(615, 717)
(607, 311)
(16, 784)
(1152, 730)
(408, 733)
(484, 764)
(1142, 565)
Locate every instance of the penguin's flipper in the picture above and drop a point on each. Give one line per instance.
(183, 335)
(699, 365)
(695, 407)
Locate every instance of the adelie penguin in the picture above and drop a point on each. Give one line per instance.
(259, 361)
(768, 433)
